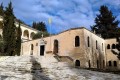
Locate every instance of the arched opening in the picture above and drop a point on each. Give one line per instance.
(108, 46)
(31, 35)
(115, 64)
(56, 45)
(109, 63)
(77, 63)
(113, 46)
(88, 41)
(26, 34)
(32, 47)
(96, 44)
(77, 41)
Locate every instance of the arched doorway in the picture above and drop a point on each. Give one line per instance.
(77, 63)
(56, 44)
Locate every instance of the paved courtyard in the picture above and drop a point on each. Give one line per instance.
(29, 68)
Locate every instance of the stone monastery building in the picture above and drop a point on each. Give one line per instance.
(77, 46)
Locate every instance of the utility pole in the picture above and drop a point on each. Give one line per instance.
(50, 21)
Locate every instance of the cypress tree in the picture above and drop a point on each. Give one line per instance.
(18, 40)
(106, 23)
(1, 9)
(9, 30)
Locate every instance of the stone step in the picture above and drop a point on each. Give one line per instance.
(18, 68)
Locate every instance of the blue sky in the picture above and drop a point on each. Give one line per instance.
(65, 14)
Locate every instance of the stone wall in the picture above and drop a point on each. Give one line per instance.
(88, 56)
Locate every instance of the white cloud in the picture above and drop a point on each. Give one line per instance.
(64, 13)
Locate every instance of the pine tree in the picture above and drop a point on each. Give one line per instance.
(18, 40)
(39, 26)
(106, 23)
(1, 9)
(9, 30)
(34, 25)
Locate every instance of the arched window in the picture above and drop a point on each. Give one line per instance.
(108, 46)
(77, 41)
(56, 45)
(96, 44)
(88, 41)
(109, 62)
(113, 46)
(115, 64)
(77, 63)
(31, 46)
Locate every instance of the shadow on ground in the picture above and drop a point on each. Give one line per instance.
(3, 77)
(37, 71)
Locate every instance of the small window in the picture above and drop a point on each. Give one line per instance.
(110, 64)
(77, 41)
(115, 64)
(96, 44)
(36, 44)
(113, 46)
(108, 46)
(88, 41)
(32, 46)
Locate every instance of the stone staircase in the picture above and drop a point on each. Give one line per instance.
(67, 59)
(18, 68)
(45, 68)
(27, 67)
(30, 68)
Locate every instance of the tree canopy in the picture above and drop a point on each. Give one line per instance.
(1, 9)
(39, 35)
(39, 26)
(18, 40)
(105, 23)
(9, 31)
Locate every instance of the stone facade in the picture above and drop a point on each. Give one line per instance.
(78, 46)
(112, 61)
(27, 31)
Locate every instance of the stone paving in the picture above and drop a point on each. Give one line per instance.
(30, 68)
